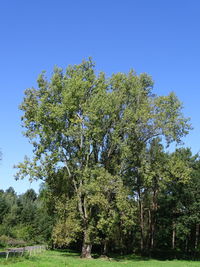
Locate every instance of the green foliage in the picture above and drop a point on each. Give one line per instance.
(97, 144)
(4, 240)
(25, 220)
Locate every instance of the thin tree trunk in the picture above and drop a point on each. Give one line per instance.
(152, 233)
(186, 245)
(149, 228)
(105, 247)
(153, 217)
(173, 235)
(197, 236)
(141, 221)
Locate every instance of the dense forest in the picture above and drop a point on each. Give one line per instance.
(110, 182)
(24, 219)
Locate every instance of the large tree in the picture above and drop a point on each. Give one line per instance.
(92, 130)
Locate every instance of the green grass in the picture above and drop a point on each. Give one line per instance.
(61, 259)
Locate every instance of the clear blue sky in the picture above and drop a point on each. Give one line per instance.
(161, 38)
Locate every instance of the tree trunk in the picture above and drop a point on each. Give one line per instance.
(197, 236)
(149, 228)
(86, 247)
(153, 216)
(173, 235)
(105, 247)
(186, 245)
(86, 251)
(152, 233)
(141, 221)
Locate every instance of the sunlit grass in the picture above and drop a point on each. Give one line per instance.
(61, 259)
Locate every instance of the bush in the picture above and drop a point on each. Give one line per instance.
(16, 243)
(4, 240)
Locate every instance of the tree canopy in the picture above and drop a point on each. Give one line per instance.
(98, 145)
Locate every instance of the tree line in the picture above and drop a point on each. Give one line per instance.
(100, 145)
(24, 219)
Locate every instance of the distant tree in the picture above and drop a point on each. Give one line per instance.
(30, 195)
(4, 207)
(10, 190)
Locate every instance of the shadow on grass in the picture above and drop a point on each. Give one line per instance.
(157, 255)
(67, 252)
(112, 257)
(130, 257)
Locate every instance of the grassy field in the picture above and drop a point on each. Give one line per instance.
(61, 259)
